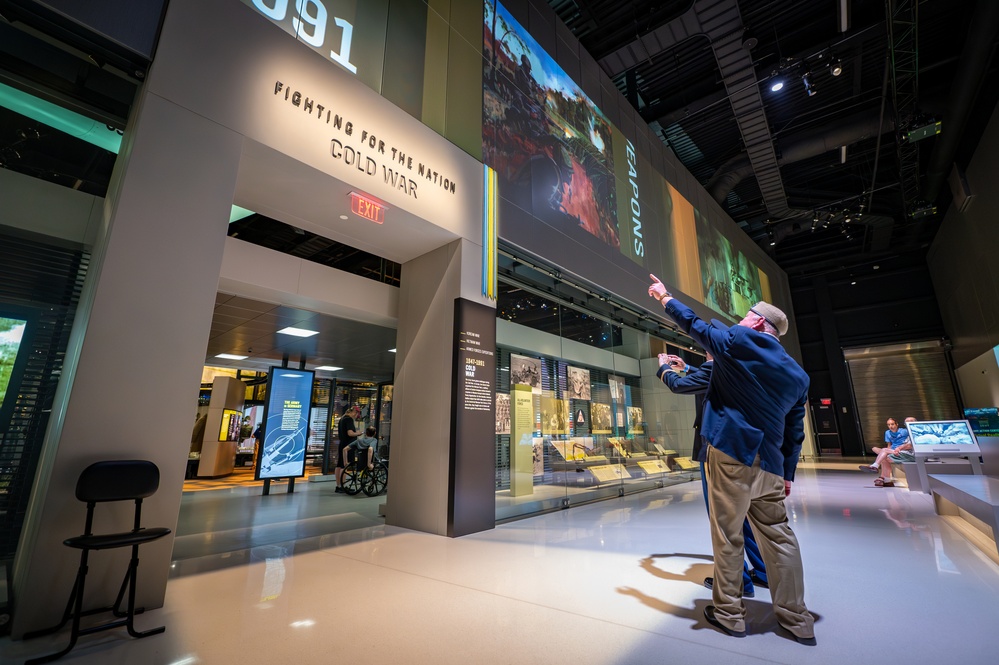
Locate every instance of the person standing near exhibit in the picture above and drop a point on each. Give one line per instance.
(753, 425)
(696, 383)
(258, 443)
(347, 432)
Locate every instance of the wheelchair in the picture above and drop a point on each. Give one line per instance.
(370, 481)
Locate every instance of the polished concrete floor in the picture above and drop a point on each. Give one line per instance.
(617, 581)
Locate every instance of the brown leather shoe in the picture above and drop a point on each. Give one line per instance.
(709, 614)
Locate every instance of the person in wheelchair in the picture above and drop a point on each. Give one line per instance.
(363, 449)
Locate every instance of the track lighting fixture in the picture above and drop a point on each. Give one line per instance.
(806, 79)
(835, 66)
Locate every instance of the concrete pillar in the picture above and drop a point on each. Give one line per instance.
(134, 363)
(421, 417)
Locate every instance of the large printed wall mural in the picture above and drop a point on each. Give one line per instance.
(559, 158)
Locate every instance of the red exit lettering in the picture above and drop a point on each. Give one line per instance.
(367, 208)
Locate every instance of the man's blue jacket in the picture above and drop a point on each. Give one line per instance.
(755, 404)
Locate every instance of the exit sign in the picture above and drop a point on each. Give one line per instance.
(368, 208)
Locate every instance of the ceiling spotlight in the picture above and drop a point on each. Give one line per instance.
(777, 85)
(806, 79)
(770, 234)
(749, 41)
(835, 67)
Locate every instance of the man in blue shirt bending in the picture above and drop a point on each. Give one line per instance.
(753, 423)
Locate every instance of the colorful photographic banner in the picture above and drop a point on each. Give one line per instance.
(555, 152)
(577, 191)
(730, 282)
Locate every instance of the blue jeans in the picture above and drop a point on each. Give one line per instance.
(752, 549)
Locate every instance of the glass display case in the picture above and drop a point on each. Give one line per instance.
(383, 418)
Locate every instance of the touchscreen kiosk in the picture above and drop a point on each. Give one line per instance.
(930, 437)
(942, 438)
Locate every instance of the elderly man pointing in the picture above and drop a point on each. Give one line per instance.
(753, 424)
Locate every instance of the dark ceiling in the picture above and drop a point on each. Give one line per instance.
(773, 160)
(687, 65)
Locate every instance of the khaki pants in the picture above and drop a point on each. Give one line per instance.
(735, 492)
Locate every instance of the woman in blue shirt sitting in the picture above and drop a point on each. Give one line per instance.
(897, 439)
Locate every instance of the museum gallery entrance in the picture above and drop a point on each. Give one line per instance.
(224, 513)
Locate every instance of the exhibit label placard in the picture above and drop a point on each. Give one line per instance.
(471, 492)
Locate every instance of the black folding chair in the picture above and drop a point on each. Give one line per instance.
(101, 482)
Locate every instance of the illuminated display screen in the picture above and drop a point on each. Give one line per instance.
(17, 325)
(231, 422)
(984, 422)
(286, 423)
(11, 334)
(929, 436)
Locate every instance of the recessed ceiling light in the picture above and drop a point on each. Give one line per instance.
(391, 350)
(328, 368)
(298, 332)
(343, 216)
(229, 356)
(777, 85)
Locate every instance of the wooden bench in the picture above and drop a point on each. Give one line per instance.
(971, 505)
